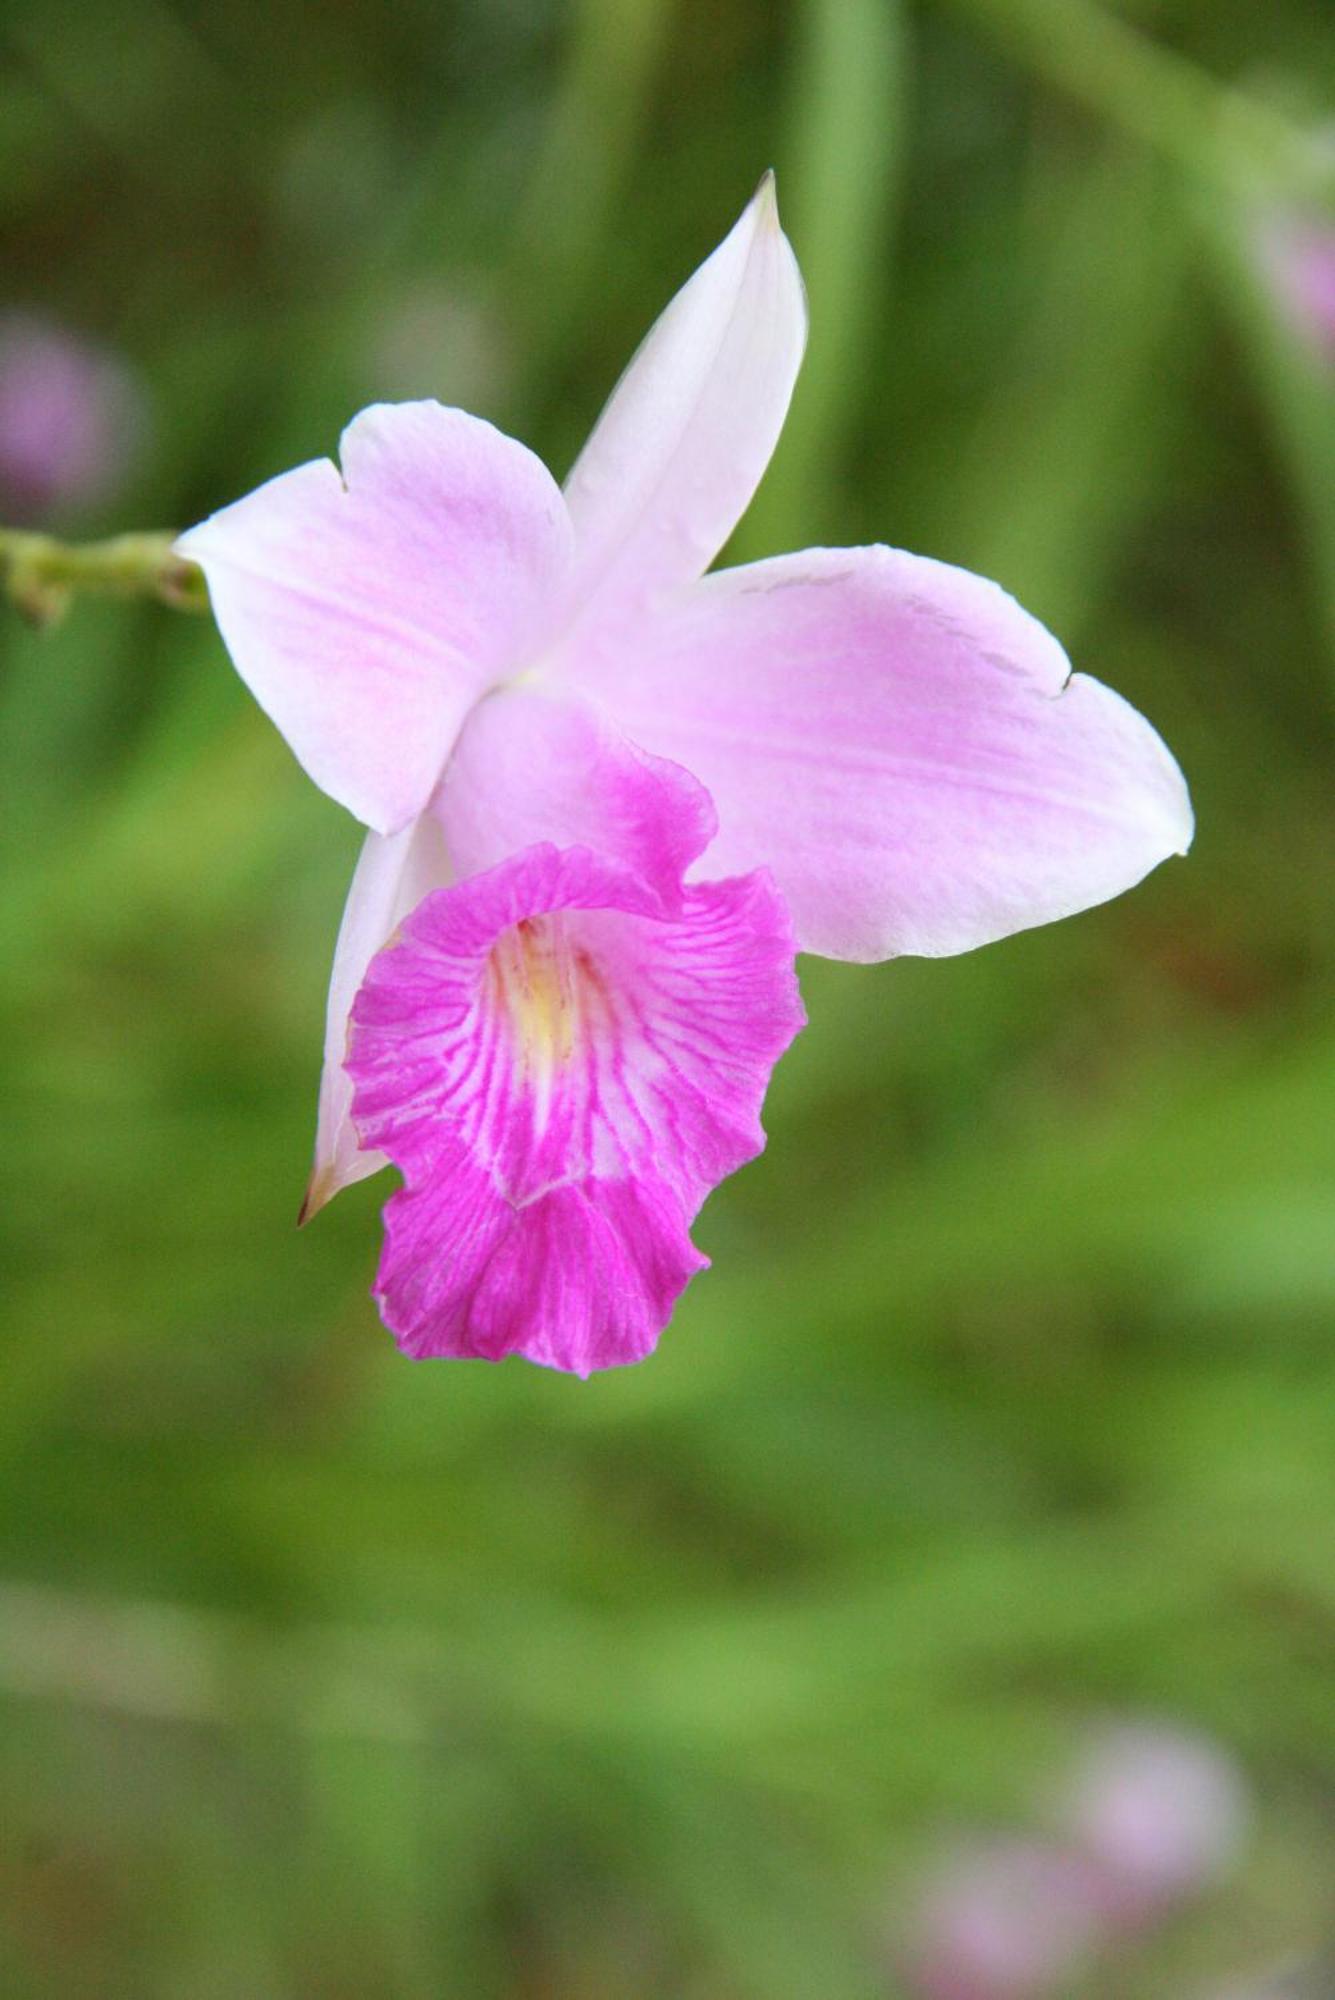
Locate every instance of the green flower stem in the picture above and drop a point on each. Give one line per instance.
(39, 574)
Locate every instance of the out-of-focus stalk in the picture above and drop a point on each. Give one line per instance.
(598, 114)
(839, 178)
(1149, 92)
(1239, 158)
(40, 574)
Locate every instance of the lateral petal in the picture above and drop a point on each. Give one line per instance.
(903, 745)
(368, 612)
(535, 764)
(392, 876)
(681, 446)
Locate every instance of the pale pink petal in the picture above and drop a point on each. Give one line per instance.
(368, 612)
(392, 876)
(561, 1073)
(534, 764)
(682, 444)
(902, 745)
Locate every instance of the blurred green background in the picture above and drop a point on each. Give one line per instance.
(1010, 1400)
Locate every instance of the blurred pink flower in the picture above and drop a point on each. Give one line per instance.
(1010, 1919)
(70, 412)
(1161, 1812)
(1298, 254)
(1150, 1816)
(475, 663)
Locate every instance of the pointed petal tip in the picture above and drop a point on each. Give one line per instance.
(765, 200)
(320, 1189)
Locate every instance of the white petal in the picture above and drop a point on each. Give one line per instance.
(681, 447)
(367, 613)
(392, 876)
(903, 745)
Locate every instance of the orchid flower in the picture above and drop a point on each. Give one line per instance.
(478, 664)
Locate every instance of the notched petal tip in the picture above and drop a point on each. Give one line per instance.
(1182, 808)
(905, 746)
(367, 609)
(1185, 831)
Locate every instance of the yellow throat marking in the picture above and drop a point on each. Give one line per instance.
(532, 979)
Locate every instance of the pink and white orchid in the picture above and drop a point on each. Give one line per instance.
(509, 685)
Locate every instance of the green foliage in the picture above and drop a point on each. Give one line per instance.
(1009, 1399)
